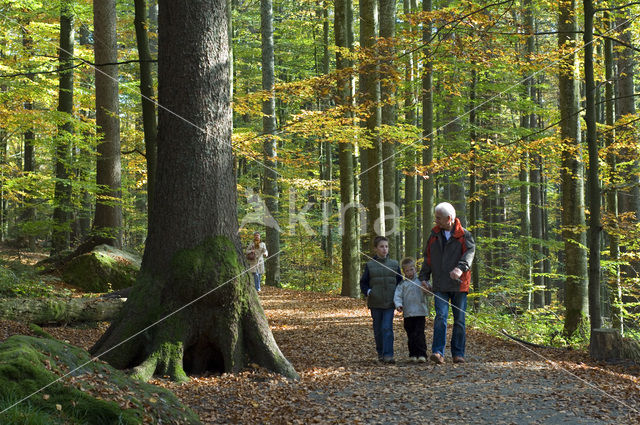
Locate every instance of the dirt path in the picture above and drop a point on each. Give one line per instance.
(330, 342)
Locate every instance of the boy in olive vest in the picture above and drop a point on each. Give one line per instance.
(378, 283)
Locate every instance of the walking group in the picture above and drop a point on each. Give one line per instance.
(445, 273)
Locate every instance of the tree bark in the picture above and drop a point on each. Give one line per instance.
(149, 122)
(593, 177)
(527, 121)
(108, 214)
(613, 281)
(629, 198)
(270, 144)
(388, 117)
(428, 136)
(573, 217)
(62, 192)
(350, 269)
(411, 118)
(193, 309)
(370, 96)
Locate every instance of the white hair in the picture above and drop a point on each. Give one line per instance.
(446, 208)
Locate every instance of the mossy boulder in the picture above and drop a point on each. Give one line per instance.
(103, 269)
(45, 381)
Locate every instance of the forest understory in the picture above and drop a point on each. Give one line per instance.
(329, 341)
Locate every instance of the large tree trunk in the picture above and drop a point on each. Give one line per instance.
(270, 145)
(62, 191)
(193, 309)
(108, 214)
(593, 177)
(370, 96)
(573, 219)
(149, 122)
(349, 245)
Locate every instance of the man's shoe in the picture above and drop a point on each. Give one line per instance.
(437, 358)
(422, 359)
(388, 360)
(413, 359)
(458, 359)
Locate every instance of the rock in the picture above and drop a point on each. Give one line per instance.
(47, 381)
(103, 269)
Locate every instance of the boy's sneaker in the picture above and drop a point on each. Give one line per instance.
(422, 359)
(413, 359)
(388, 360)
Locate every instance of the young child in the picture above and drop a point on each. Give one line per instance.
(378, 283)
(411, 300)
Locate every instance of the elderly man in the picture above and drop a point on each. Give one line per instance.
(447, 261)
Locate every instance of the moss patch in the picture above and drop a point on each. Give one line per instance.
(76, 389)
(101, 270)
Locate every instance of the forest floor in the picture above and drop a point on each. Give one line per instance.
(329, 341)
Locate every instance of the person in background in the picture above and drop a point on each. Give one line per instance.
(378, 283)
(256, 252)
(411, 300)
(448, 256)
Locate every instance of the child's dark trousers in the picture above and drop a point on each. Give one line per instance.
(415, 336)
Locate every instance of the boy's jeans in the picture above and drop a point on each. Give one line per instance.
(383, 330)
(256, 280)
(459, 307)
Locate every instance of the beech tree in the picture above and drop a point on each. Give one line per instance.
(193, 309)
(108, 214)
(62, 194)
(573, 217)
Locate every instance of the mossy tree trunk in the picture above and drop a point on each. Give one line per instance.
(192, 309)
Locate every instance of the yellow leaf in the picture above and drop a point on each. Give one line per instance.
(59, 407)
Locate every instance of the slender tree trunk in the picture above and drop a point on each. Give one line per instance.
(270, 144)
(411, 118)
(370, 96)
(628, 198)
(473, 185)
(527, 122)
(62, 191)
(388, 117)
(149, 122)
(613, 281)
(573, 219)
(327, 165)
(350, 269)
(427, 127)
(108, 214)
(29, 213)
(193, 309)
(593, 178)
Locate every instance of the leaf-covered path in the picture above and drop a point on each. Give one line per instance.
(329, 341)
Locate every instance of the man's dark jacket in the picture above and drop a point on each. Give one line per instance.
(440, 257)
